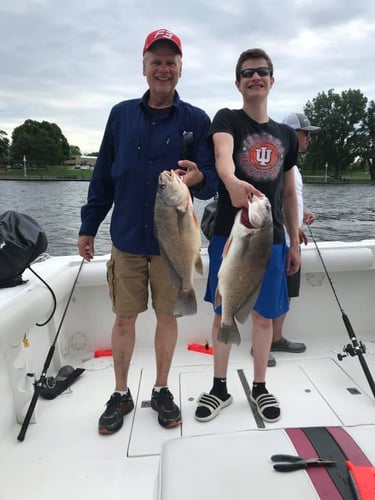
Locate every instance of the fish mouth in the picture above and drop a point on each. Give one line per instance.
(164, 177)
(167, 173)
(251, 219)
(245, 218)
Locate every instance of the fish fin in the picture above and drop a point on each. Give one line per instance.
(217, 299)
(229, 334)
(183, 207)
(173, 276)
(199, 264)
(227, 246)
(196, 220)
(186, 303)
(243, 312)
(180, 221)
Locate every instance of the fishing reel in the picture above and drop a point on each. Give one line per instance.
(53, 386)
(62, 374)
(352, 350)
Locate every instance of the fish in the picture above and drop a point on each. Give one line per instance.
(177, 230)
(245, 258)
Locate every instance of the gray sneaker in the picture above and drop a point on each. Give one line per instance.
(285, 345)
(271, 360)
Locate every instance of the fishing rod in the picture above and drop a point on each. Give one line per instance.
(356, 348)
(53, 297)
(41, 383)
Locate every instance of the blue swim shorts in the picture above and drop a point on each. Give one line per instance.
(272, 300)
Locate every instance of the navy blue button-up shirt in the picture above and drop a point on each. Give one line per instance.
(134, 151)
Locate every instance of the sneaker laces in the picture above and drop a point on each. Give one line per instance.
(112, 401)
(166, 398)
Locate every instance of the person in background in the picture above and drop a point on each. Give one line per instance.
(143, 137)
(254, 155)
(300, 123)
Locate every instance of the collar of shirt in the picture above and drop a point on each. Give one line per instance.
(144, 100)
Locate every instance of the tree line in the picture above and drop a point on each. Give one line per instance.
(42, 144)
(345, 143)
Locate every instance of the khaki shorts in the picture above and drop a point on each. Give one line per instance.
(130, 277)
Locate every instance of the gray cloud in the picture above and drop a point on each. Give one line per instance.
(70, 62)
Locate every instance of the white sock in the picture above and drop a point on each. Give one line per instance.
(122, 393)
(157, 388)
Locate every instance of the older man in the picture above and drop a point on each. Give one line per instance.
(143, 137)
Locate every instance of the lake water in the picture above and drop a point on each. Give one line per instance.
(344, 212)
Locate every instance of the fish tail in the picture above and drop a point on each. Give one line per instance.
(186, 303)
(229, 334)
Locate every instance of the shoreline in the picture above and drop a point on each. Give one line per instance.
(77, 179)
(43, 179)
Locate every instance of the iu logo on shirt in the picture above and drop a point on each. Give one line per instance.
(261, 157)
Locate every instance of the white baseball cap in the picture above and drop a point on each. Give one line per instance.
(299, 121)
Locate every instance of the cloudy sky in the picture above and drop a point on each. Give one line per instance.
(68, 62)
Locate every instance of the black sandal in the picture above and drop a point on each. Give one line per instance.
(266, 402)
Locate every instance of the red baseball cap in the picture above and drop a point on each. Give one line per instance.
(162, 34)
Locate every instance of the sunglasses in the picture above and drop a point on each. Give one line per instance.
(249, 72)
(306, 133)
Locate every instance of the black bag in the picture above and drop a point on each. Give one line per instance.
(208, 219)
(22, 240)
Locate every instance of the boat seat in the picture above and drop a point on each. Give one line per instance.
(233, 465)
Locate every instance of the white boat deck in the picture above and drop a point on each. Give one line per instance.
(63, 453)
(63, 456)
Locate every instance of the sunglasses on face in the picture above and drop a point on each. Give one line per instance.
(249, 72)
(306, 133)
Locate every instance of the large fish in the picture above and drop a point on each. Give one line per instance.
(245, 258)
(178, 232)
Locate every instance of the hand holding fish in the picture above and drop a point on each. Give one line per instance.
(190, 173)
(241, 192)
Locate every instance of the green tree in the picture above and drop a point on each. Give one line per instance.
(42, 143)
(367, 148)
(74, 150)
(341, 117)
(4, 148)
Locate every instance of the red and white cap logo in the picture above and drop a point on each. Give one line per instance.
(162, 34)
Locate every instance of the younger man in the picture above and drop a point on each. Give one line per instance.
(253, 154)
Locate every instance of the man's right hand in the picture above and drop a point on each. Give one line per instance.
(241, 192)
(86, 247)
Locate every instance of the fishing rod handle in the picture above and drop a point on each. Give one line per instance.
(29, 414)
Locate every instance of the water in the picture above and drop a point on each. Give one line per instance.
(344, 212)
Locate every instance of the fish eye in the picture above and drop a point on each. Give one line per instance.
(162, 185)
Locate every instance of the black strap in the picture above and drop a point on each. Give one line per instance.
(327, 448)
(188, 142)
(245, 385)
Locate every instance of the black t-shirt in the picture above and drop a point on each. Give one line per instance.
(262, 153)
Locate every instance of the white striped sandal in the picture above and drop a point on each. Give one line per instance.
(268, 407)
(209, 406)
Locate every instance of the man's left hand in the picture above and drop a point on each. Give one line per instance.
(189, 172)
(308, 217)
